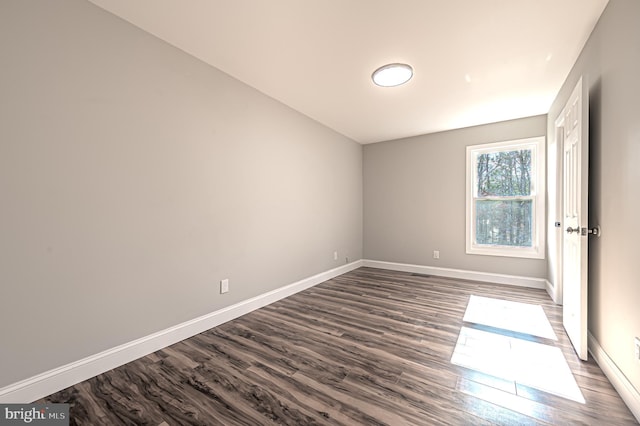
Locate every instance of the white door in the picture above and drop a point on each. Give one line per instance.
(575, 218)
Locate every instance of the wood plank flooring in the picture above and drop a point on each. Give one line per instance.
(370, 347)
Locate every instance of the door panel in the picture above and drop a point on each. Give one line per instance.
(575, 220)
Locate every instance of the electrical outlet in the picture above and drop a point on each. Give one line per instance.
(335, 255)
(436, 254)
(637, 344)
(224, 286)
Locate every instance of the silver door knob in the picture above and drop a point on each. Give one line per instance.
(572, 230)
(593, 231)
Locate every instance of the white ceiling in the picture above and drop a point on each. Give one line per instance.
(475, 61)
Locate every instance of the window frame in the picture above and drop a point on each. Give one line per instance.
(537, 249)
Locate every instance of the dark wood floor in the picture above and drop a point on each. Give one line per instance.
(370, 347)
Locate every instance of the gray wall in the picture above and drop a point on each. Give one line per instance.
(610, 66)
(414, 199)
(134, 177)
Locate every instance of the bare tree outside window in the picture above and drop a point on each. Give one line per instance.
(503, 204)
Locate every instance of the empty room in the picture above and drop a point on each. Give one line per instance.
(319, 212)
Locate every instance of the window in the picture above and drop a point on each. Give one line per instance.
(505, 198)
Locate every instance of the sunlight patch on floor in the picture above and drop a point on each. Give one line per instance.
(513, 316)
(536, 365)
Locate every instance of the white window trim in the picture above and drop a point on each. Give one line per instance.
(537, 250)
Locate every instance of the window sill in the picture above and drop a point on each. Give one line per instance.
(503, 251)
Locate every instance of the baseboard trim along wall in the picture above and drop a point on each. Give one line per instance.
(41, 385)
(627, 392)
(459, 273)
(551, 290)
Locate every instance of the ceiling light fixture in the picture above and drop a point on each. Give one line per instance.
(392, 75)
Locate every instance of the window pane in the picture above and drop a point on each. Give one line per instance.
(504, 223)
(504, 173)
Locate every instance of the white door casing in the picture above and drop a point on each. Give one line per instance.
(575, 181)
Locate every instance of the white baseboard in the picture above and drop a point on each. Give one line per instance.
(459, 273)
(551, 290)
(629, 394)
(41, 385)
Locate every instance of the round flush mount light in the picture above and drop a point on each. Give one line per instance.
(392, 75)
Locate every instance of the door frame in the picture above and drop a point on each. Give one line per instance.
(556, 171)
